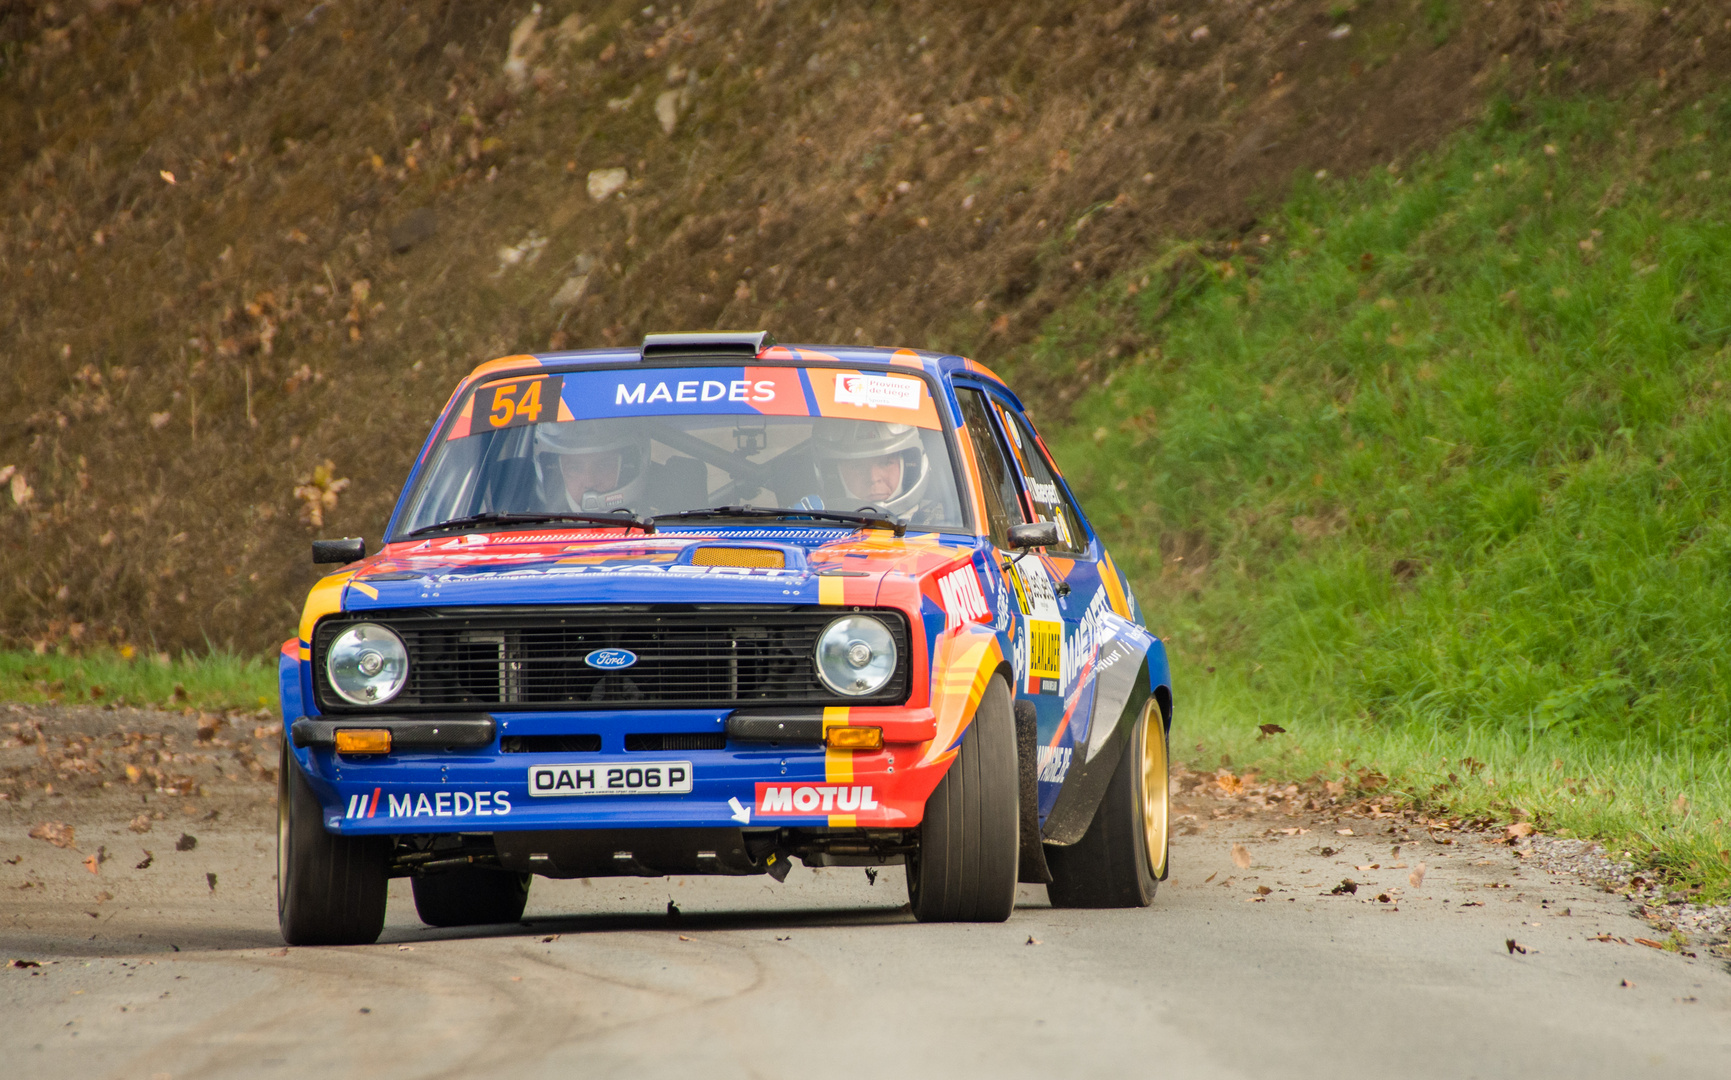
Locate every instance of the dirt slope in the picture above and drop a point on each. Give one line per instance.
(245, 239)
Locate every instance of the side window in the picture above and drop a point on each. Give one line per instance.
(1039, 479)
(1003, 508)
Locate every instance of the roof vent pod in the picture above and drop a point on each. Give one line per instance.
(700, 346)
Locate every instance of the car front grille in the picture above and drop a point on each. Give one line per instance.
(533, 658)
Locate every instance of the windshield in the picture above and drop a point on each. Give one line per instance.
(665, 440)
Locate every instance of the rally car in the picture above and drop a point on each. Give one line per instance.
(707, 606)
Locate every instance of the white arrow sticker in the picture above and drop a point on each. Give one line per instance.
(740, 813)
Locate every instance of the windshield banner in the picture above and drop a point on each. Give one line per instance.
(724, 391)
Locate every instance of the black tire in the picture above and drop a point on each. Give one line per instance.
(471, 896)
(965, 867)
(1121, 858)
(330, 889)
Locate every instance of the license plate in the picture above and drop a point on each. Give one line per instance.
(648, 778)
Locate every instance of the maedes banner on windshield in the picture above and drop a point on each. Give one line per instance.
(719, 391)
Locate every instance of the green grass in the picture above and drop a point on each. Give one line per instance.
(216, 680)
(1437, 478)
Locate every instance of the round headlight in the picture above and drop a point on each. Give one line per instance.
(856, 655)
(367, 664)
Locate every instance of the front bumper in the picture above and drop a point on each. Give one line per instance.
(433, 783)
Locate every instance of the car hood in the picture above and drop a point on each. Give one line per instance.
(583, 567)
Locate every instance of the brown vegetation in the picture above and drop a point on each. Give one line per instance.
(249, 246)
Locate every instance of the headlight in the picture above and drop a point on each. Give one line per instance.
(856, 655)
(367, 664)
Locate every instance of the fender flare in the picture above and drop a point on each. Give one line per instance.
(1130, 669)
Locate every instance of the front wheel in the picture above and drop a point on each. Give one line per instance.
(471, 896)
(964, 869)
(1121, 858)
(330, 890)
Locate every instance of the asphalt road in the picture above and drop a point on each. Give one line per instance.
(166, 972)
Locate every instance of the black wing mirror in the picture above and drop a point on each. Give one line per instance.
(347, 550)
(1034, 534)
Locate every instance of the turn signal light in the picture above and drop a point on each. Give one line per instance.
(855, 738)
(364, 741)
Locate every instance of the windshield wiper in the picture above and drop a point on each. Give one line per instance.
(870, 521)
(493, 517)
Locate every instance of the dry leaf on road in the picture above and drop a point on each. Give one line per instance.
(1343, 832)
(57, 833)
(1241, 856)
(186, 842)
(1520, 829)
(1649, 942)
(1416, 878)
(1515, 947)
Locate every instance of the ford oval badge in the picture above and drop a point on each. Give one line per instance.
(611, 659)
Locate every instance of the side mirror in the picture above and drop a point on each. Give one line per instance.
(347, 550)
(1034, 534)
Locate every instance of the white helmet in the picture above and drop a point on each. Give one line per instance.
(597, 465)
(871, 463)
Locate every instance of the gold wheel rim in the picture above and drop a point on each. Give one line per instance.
(1156, 793)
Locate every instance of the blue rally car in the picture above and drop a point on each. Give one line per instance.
(707, 606)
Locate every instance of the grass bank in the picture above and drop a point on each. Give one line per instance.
(1433, 474)
(214, 680)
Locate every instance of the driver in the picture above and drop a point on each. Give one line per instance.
(597, 465)
(867, 463)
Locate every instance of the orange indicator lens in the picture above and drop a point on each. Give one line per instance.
(855, 738)
(364, 741)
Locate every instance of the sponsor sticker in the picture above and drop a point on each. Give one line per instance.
(1045, 649)
(1054, 763)
(648, 778)
(806, 800)
(963, 600)
(873, 391)
(451, 804)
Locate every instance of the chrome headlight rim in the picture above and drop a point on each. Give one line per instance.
(856, 674)
(379, 658)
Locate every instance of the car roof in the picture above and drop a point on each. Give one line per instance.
(941, 365)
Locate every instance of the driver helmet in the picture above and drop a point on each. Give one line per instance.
(872, 463)
(596, 465)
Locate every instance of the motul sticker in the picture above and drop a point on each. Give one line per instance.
(963, 600)
(806, 800)
(872, 391)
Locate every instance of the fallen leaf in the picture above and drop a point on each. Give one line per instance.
(1343, 832)
(139, 824)
(1210, 877)
(405, 948)
(1271, 729)
(1347, 886)
(92, 864)
(1649, 942)
(167, 176)
(1627, 985)
(1416, 878)
(1263, 890)
(1032, 940)
(1515, 947)
(210, 879)
(57, 833)
(148, 859)
(1520, 829)
(1241, 856)
(277, 952)
(516, 978)
(1372, 866)
(682, 937)
(1384, 898)
(186, 842)
(23, 963)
